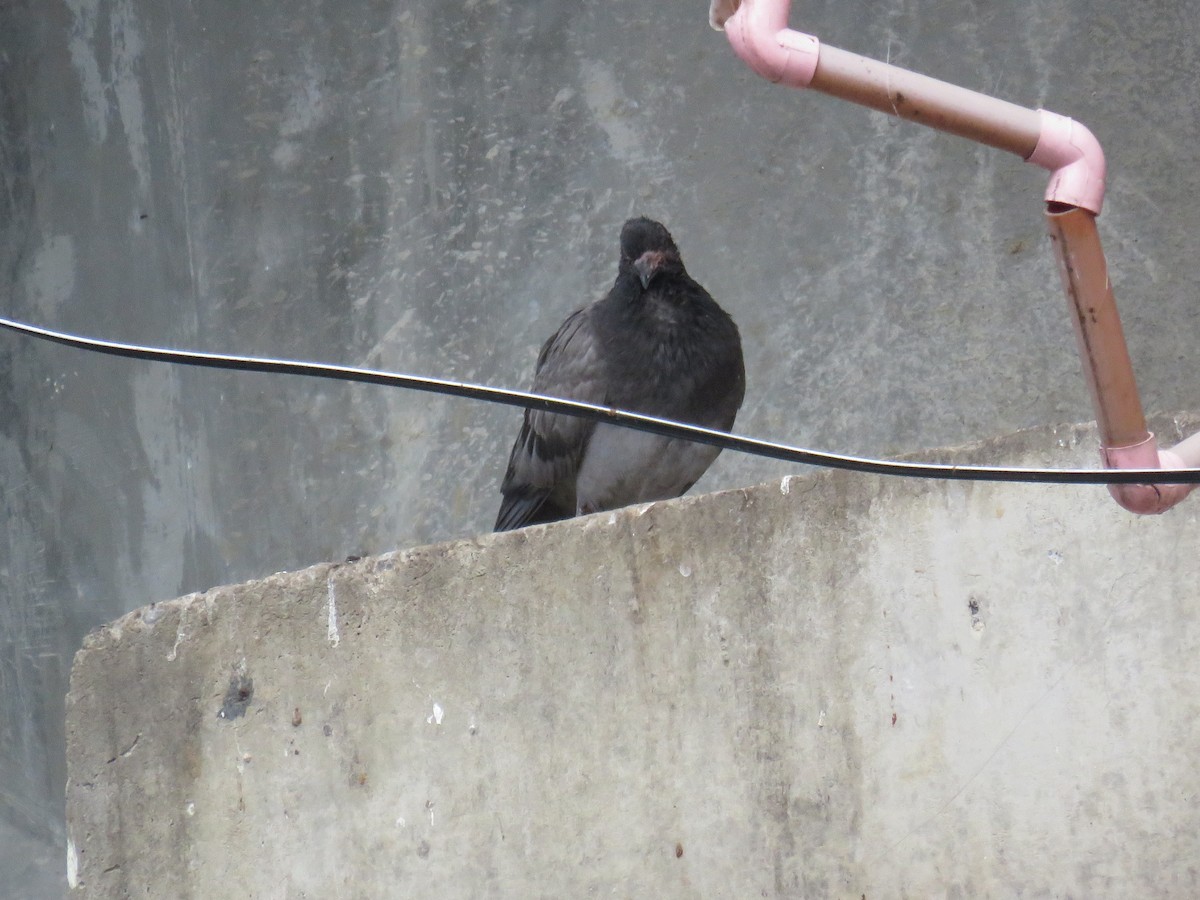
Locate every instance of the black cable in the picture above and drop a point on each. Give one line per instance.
(666, 427)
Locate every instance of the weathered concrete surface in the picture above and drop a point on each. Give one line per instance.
(829, 686)
(432, 185)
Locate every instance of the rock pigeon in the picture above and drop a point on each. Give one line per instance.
(656, 344)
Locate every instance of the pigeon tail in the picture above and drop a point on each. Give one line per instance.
(529, 508)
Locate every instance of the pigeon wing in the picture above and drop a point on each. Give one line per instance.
(539, 485)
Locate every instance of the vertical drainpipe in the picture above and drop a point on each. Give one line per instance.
(757, 30)
(1125, 442)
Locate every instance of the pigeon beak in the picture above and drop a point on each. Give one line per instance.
(647, 266)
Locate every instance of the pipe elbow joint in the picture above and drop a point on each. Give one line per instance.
(1145, 499)
(1075, 160)
(758, 32)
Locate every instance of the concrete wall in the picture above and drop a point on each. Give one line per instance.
(836, 686)
(432, 186)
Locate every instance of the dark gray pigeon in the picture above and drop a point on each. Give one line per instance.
(656, 344)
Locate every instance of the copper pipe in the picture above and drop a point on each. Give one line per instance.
(1125, 441)
(1106, 363)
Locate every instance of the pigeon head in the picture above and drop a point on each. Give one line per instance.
(648, 251)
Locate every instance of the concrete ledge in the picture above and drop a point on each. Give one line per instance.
(836, 685)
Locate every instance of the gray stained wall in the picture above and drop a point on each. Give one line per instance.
(432, 187)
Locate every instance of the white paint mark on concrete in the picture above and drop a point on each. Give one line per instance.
(127, 46)
(72, 865)
(331, 620)
(785, 486)
(400, 823)
(436, 717)
(285, 154)
(87, 67)
(52, 281)
(1046, 29)
(613, 112)
(821, 719)
(1055, 557)
(190, 809)
(242, 756)
(685, 570)
(158, 397)
(306, 109)
(180, 637)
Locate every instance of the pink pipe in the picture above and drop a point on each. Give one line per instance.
(758, 32)
(760, 36)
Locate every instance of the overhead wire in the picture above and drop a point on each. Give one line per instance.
(600, 413)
